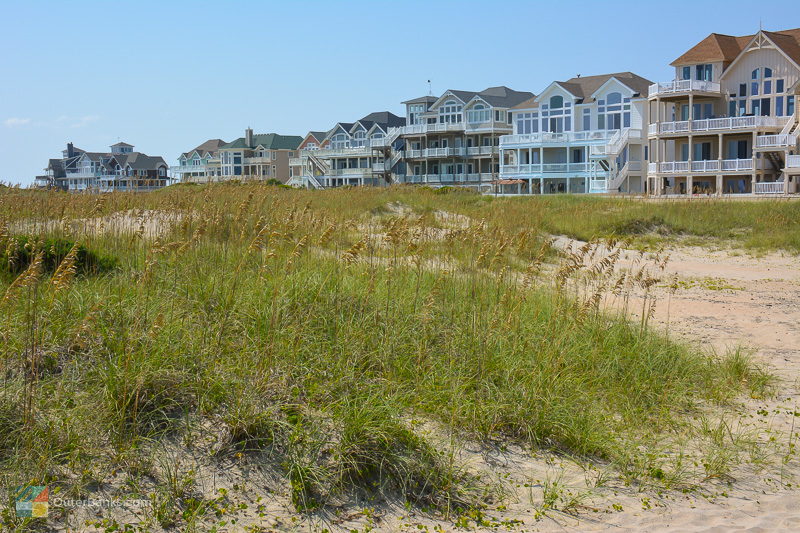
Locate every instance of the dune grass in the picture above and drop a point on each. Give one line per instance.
(317, 332)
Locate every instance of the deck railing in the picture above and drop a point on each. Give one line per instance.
(716, 124)
(683, 86)
(769, 187)
(778, 141)
(793, 161)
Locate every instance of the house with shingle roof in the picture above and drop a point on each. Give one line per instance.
(581, 135)
(728, 122)
(120, 169)
(350, 153)
(200, 164)
(453, 139)
(258, 156)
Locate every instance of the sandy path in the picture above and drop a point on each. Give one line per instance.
(760, 313)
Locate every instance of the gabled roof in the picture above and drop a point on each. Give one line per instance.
(583, 87)
(122, 144)
(318, 135)
(500, 96)
(383, 118)
(140, 161)
(270, 141)
(209, 147)
(726, 48)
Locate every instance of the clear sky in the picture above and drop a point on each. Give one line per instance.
(167, 75)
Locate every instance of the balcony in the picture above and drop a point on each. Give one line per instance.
(350, 172)
(679, 87)
(700, 167)
(793, 162)
(449, 178)
(785, 140)
(297, 161)
(481, 150)
(716, 125)
(528, 140)
(186, 169)
(548, 168)
(350, 151)
(769, 187)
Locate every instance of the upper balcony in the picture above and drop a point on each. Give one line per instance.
(780, 140)
(186, 169)
(684, 127)
(683, 87)
(529, 140)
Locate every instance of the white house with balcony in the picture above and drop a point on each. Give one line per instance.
(350, 153)
(199, 165)
(582, 135)
(727, 123)
(454, 139)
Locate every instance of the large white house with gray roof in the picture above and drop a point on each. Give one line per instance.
(350, 153)
(121, 169)
(586, 134)
(454, 139)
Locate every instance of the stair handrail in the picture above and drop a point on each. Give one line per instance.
(790, 124)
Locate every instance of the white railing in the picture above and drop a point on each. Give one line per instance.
(379, 167)
(551, 168)
(652, 129)
(314, 182)
(652, 168)
(183, 169)
(377, 143)
(712, 165)
(778, 141)
(683, 86)
(553, 138)
(712, 124)
(351, 151)
(793, 161)
(358, 172)
(480, 150)
(297, 161)
(431, 128)
(769, 187)
(598, 185)
(737, 164)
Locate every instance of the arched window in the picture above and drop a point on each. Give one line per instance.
(478, 114)
(339, 141)
(755, 74)
(556, 102)
(767, 72)
(358, 138)
(450, 112)
(614, 98)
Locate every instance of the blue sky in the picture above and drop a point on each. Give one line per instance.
(167, 75)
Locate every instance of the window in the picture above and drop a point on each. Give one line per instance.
(414, 110)
(778, 86)
(339, 141)
(499, 116)
(742, 89)
(686, 73)
(779, 106)
(703, 72)
(732, 108)
(768, 87)
(450, 112)
(754, 74)
(527, 123)
(587, 119)
(755, 107)
(479, 114)
(742, 108)
(359, 139)
(767, 72)
(754, 88)
(556, 102)
(789, 105)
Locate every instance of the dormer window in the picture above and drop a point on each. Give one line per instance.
(339, 141)
(479, 114)
(703, 72)
(450, 112)
(556, 102)
(359, 139)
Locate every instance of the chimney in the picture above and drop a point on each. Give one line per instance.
(70, 150)
(248, 137)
